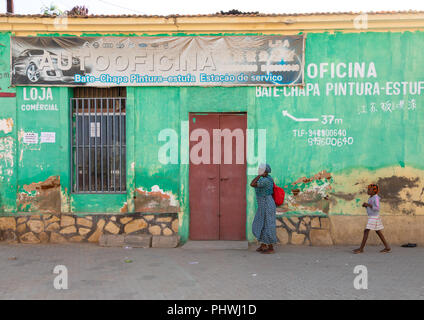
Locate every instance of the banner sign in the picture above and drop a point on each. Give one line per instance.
(158, 61)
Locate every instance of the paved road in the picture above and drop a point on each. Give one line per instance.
(292, 273)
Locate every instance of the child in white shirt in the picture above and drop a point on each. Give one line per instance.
(374, 220)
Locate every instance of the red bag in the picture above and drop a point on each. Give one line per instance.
(278, 195)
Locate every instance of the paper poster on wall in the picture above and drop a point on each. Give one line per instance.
(48, 137)
(30, 138)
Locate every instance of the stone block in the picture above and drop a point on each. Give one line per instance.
(51, 220)
(290, 222)
(103, 240)
(297, 238)
(111, 240)
(315, 223)
(167, 232)
(68, 230)
(302, 226)
(99, 231)
(67, 221)
(21, 228)
(282, 235)
(84, 222)
(112, 228)
(7, 223)
(83, 231)
(21, 220)
(53, 227)
(164, 219)
(36, 226)
(174, 225)
(29, 237)
(125, 220)
(165, 241)
(138, 241)
(135, 225)
(9, 236)
(155, 230)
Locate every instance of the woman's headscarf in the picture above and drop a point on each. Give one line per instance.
(264, 168)
(268, 168)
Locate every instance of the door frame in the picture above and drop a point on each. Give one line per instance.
(245, 158)
(211, 100)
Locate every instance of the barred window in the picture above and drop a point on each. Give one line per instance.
(98, 140)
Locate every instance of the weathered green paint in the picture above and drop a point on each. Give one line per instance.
(8, 174)
(130, 138)
(5, 63)
(97, 203)
(39, 161)
(387, 145)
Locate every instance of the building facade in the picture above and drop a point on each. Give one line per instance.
(81, 159)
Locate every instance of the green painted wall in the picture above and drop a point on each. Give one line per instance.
(381, 134)
(38, 161)
(8, 174)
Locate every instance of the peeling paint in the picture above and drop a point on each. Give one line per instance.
(124, 208)
(41, 196)
(319, 176)
(64, 201)
(156, 201)
(6, 157)
(401, 190)
(6, 125)
(309, 194)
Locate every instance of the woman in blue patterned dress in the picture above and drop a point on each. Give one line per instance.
(263, 226)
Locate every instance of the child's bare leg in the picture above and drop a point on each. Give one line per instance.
(386, 245)
(364, 241)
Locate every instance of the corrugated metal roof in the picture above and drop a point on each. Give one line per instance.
(218, 14)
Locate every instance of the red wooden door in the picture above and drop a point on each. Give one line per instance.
(232, 189)
(217, 188)
(203, 181)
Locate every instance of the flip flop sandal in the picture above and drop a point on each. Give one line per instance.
(409, 245)
(386, 251)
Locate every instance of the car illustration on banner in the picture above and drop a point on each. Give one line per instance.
(27, 66)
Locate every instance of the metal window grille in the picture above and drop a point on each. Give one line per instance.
(98, 145)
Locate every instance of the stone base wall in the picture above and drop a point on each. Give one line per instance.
(163, 229)
(45, 228)
(306, 230)
(347, 230)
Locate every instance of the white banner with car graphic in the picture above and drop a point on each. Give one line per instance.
(158, 61)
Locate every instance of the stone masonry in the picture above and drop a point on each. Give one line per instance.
(304, 230)
(45, 228)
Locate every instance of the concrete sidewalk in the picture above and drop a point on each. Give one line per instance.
(294, 272)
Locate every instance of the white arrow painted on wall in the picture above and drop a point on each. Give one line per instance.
(286, 114)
